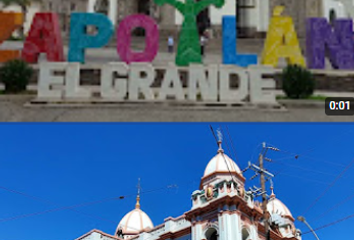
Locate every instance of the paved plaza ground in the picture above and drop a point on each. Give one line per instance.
(13, 107)
(13, 110)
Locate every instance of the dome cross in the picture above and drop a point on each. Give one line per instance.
(137, 206)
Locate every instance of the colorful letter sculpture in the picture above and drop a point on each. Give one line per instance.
(81, 40)
(339, 42)
(151, 40)
(229, 45)
(9, 21)
(189, 46)
(282, 41)
(44, 37)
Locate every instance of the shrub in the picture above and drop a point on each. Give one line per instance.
(298, 82)
(15, 75)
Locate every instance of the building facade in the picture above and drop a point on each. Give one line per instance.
(221, 210)
(252, 15)
(32, 10)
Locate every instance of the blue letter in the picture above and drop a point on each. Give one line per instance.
(80, 40)
(229, 48)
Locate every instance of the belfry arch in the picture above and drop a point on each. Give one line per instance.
(211, 234)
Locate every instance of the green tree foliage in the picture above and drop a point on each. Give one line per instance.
(15, 75)
(298, 82)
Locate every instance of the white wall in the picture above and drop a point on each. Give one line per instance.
(32, 10)
(337, 6)
(257, 17)
(216, 14)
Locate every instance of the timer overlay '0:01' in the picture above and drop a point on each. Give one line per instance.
(339, 106)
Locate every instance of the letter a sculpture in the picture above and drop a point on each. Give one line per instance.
(189, 45)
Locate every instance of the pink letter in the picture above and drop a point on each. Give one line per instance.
(124, 38)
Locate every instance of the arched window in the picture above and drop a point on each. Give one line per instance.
(211, 234)
(245, 234)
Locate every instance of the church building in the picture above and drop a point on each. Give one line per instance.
(221, 210)
(252, 15)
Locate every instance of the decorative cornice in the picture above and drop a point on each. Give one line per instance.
(100, 232)
(240, 203)
(174, 235)
(239, 176)
(273, 235)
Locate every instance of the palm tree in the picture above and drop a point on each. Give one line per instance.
(23, 4)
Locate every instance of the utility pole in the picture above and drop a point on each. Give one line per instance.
(263, 173)
(264, 195)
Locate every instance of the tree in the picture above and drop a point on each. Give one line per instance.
(23, 4)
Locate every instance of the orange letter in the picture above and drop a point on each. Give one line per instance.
(9, 22)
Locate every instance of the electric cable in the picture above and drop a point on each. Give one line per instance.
(330, 186)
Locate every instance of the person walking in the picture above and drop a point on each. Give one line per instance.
(203, 41)
(170, 43)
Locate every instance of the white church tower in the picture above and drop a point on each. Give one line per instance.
(221, 210)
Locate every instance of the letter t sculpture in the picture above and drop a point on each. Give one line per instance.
(189, 45)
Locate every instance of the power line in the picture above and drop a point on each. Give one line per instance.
(72, 207)
(330, 138)
(304, 169)
(52, 203)
(300, 177)
(336, 206)
(227, 145)
(331, 224)
(232, 146)
(57, 209)
(330, 186)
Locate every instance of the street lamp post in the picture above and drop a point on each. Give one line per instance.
(302, 219)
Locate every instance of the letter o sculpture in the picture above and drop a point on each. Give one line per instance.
(124, 38)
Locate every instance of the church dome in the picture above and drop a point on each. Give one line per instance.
(275, 206)
(221, 167)
(134, 222)
(221, 163)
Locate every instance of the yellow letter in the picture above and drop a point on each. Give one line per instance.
(9, 22)
(282, 41)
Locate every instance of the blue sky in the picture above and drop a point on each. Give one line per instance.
(70, 164)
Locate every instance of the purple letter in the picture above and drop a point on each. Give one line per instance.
(124, 38)
(339, 42)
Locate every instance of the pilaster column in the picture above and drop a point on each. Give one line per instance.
(112, 12)
(197, 232)
(91, 6)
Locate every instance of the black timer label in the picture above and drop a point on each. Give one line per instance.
(339, 106)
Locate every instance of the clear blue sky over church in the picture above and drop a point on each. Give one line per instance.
(45, 168)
